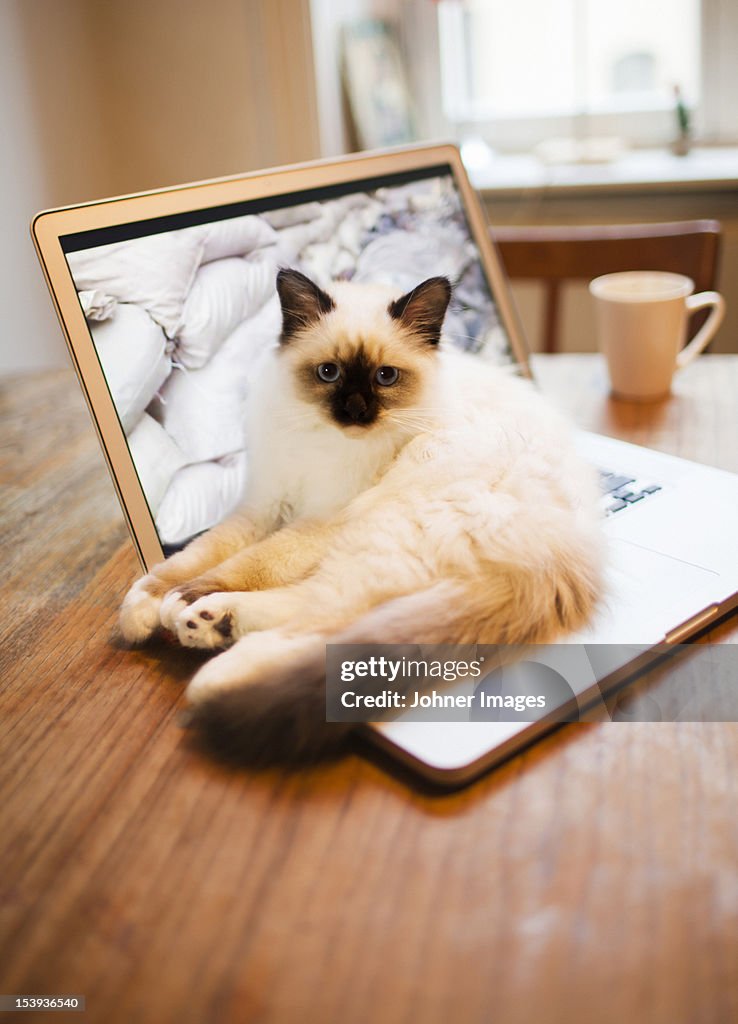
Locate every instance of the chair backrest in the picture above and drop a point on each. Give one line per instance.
(553, 255)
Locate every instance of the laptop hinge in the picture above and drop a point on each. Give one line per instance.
(692, 625)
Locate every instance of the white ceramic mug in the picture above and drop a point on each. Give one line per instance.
(642, 326)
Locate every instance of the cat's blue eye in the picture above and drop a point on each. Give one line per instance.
(387, 375)
(328, 373)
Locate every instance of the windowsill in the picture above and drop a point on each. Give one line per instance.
(641, 170)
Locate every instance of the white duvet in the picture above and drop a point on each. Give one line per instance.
(177, 320)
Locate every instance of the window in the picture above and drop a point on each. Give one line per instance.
(518, 72)
(582, 56)
(522, 71)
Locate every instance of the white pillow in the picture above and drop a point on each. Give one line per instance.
(236, 237)
(156, 457)
(223, 294)
(155, 272)
(315, 243)
(96, 305)
(405, 258)
(200, 496)
(203, 410)
(288, 216)
(254, 335)
(132, 352)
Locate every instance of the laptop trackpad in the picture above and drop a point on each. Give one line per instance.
(647, 595)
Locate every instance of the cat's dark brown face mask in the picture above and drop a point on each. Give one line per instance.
(358, 356)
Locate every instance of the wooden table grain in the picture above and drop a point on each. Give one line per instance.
(593, 877)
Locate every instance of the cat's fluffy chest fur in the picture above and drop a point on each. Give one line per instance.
(300, 465)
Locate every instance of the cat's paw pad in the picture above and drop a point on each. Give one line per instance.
(209, 622)
(139, 613)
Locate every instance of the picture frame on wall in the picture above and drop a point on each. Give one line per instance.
(375, 85)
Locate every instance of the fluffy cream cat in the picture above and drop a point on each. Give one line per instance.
(399, 491)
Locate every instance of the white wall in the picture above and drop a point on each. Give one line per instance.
(29, 337)
(101, 99)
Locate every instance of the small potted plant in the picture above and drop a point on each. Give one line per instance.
(683, 141)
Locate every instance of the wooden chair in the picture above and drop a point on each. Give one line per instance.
(557, 254)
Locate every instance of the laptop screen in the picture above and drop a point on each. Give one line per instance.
(180, 307)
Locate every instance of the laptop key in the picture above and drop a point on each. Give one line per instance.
(620, 491)
(613, 483)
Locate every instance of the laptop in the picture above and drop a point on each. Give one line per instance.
(165, 298)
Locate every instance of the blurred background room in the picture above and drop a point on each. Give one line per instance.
(568, 112)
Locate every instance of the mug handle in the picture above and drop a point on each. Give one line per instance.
(705, 334)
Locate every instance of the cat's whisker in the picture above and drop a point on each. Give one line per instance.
(414, 417)
(411, 424)
(414, 414)
(411, 417)
(416, 408)
(291, 419)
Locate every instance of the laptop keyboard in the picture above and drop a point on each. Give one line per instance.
(620, 491)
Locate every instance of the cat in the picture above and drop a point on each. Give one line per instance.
(400, 491)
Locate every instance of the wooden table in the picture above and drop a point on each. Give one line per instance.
(593, 877)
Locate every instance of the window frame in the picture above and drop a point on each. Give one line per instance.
(715, 119)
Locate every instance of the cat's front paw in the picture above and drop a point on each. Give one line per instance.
(169, 611)
(210, 622)
(181, 597)
(139, 613)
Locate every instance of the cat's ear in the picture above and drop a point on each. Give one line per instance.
(422, 310)
(303, 302)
